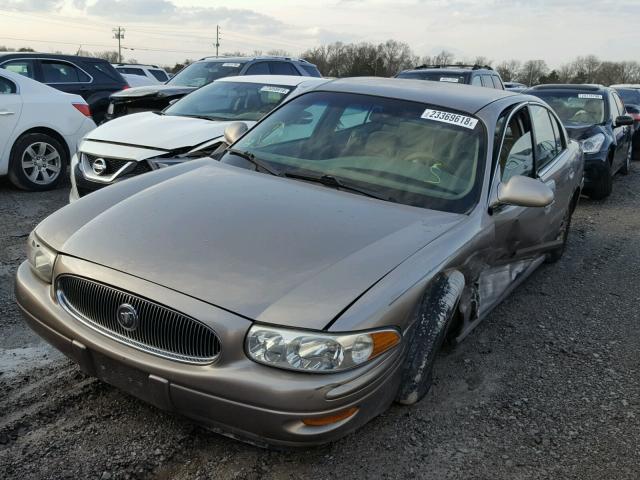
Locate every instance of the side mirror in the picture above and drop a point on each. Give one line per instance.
(234, 131)
(524, 192)
(624, 120)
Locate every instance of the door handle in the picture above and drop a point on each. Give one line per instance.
(5, 112)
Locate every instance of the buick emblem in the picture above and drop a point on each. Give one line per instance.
(99, 166)
(127, 317)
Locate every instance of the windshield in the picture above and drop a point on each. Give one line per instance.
(402, 151)
(434, 76)
(231, 101)
(575, 108)
(201, 73)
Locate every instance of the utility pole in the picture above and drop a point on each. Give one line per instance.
(217, 45)
(118, 33)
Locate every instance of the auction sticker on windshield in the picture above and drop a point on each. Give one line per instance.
(451, 118)
(449, 79)
(233, 65)
(590, 95)
(283, 91)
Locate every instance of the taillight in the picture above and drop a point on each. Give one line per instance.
(126, 87)
(635, 116)
(83, 108)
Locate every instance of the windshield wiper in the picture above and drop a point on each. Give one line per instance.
(251, 158)
(331, 181)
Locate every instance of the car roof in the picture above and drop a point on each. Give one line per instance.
(58, 56)
(252, 58)
(632, 86)
(458, 97)
(289, 80)
(570, 86)
(140, 65)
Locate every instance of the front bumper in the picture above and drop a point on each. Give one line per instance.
(233, 395)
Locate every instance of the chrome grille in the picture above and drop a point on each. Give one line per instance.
(160, 330)
(113, 164)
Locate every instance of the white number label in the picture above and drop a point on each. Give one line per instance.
(451, 118)
(283, 91)
(234, 65)
(590, 95)
(449, 79)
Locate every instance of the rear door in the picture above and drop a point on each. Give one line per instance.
(65, 76)
(10, 110)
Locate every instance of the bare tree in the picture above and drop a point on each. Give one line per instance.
(531, 71)
(509, 70)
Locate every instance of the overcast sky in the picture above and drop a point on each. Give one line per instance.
(172, 30)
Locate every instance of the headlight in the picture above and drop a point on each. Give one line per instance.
(41, 258)
(593, 144)
(316, 351)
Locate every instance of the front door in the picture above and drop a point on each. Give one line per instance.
(10, 110)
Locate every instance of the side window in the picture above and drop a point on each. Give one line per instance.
(352, 116)
(557, 131)
(132, 71)
(282, 68)
(486, 81)
(62, 72)
(7, 86)
(546, 140)
(496, 82)
(260, 68)
(159, 75)
(476, 81)
(516, 155)
(22, 67)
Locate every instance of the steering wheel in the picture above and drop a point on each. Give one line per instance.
(420, 157)
(275, 132)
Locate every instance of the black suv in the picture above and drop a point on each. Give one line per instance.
(630, 95)
(595, 116)
(200, 73)
(93, 79)
(481, 76)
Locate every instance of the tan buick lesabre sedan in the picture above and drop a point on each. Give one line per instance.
(290, 292)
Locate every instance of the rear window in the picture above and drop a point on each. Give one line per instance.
(202, 73)
(104, 69)
(131, 71)
(159, 75)
(435, 76)
(311, 70)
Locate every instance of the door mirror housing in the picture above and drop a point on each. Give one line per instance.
(234, 131)
(524, 192)
(624, 120)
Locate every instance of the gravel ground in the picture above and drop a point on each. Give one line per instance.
(546, 388)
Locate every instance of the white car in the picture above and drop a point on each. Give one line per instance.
(152, 73)
(192, 127)
(39, 129)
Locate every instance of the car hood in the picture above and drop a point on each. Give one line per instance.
(263, 247)
(582, 132)
(161, 90)
(166, 132)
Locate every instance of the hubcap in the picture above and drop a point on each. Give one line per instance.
(41, 163)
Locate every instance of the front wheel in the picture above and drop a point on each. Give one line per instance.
(38, 162)
(555, 255)
(626, 168)
(603, 184)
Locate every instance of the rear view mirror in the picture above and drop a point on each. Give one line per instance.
(304, 118)
(234, 131)
(524, 192)
(624, 120)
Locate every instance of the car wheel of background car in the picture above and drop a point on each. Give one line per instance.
(38, 162)
(626, 168)
(432, 321)
(603, 185)
(563, 234)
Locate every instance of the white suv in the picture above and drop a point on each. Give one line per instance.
(153, 73)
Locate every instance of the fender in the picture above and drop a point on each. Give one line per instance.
(433, 319)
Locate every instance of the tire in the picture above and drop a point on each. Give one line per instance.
(603, 186)
(432, 320)
(554, 255)
(626, 167)
(38, 162)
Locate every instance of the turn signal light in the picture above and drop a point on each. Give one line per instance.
(328, 420)
(383, 341)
